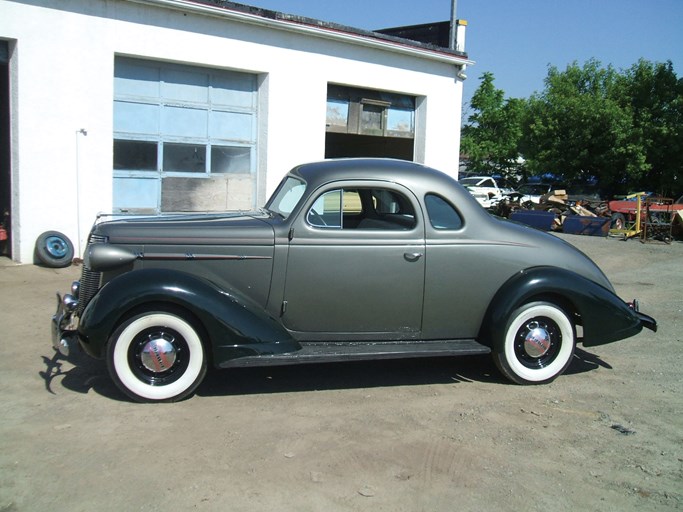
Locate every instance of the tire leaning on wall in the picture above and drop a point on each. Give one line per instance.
(53, 249)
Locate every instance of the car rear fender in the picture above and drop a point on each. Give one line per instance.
(604, 316)
(232, 325)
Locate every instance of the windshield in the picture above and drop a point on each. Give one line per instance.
(286, 197)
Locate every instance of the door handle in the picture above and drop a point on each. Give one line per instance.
(412, 256)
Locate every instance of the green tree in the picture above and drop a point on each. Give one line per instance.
(491, 136)
(654, 95)
(580, 127)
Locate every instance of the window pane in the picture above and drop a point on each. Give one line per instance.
(134, 155)
(400, 120)
(371, 119)
(184, 122)
(234, 89)
(337, 112)
(185, 85)
(231, 125)
(184, 158)
(230, 160)
(287, 197)
(134, 78)
(326, 211)
(136, 118)
(441, 214)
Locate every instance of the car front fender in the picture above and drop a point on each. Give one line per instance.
(233, 326)
(604, 316)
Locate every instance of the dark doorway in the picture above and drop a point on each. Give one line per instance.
(369, 123)
(5, 175)
(344, 145)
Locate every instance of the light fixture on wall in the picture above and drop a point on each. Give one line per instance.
(461, 73)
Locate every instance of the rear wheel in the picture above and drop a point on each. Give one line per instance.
(156, 356)
(537, 345)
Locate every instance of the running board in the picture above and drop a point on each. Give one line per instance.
(321, 352)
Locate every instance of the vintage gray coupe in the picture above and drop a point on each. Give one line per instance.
(350, 259)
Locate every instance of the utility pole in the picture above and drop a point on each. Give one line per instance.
(453, 35)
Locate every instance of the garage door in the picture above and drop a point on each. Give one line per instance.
(184, 138)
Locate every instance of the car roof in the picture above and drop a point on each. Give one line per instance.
(410, 174)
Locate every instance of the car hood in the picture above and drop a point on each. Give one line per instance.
(237, 228)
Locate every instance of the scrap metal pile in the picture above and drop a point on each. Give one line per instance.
(639, 215)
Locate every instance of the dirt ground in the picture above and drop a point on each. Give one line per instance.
(419, 435)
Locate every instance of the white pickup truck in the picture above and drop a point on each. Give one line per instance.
(485, 189)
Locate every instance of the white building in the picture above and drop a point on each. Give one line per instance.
(175, 105)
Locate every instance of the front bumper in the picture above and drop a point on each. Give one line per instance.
(64, 325)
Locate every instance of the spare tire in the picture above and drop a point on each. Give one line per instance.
(54, 250)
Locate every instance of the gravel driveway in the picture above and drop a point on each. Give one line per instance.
(417, 435)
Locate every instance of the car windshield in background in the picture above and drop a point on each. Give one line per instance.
(470, 181)
(287, 197)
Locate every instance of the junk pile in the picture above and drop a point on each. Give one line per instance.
(639, 215)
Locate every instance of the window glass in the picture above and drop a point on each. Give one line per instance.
(326, 212)
(135, 155)
(441, 213)
(371, 118)
(235, 126)
(185, 85)
(136, 118)
(184, 158)
(337, 112)
(400, 120)
(362, 209)
(184, 121)
(287, 197)
(235, 160)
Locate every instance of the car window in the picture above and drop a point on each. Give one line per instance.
(287, 196)
(362, 208)
(442, 215)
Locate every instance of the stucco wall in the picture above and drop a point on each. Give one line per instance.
(62, 68)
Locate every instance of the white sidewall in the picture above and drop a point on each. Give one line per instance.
(566, 350)
(135, 385)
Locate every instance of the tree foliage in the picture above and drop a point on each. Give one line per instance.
(654, 96)
(490, 139)
(623, 128)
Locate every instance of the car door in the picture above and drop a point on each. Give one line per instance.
(356, 264)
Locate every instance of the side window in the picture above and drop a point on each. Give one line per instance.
(326, 212)
(361, 209)
(441, 213)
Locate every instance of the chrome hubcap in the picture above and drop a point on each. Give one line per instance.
(158, 353)
(537, 340)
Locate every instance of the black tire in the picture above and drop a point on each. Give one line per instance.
(537, 345)
(54, 249)
(618, 221)
(157, 356)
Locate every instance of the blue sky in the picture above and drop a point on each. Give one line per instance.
(516, 40)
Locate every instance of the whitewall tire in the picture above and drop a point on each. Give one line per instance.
(156, 356)
(537, 345)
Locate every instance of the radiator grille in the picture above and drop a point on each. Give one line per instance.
(90, 280)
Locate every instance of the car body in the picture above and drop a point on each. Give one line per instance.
(487, 190)
(350, 259)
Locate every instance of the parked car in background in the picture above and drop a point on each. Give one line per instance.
(487, 190)
(349, 260)
(532, 192)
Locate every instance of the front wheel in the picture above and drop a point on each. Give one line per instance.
(156, 356)
(537, 345)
